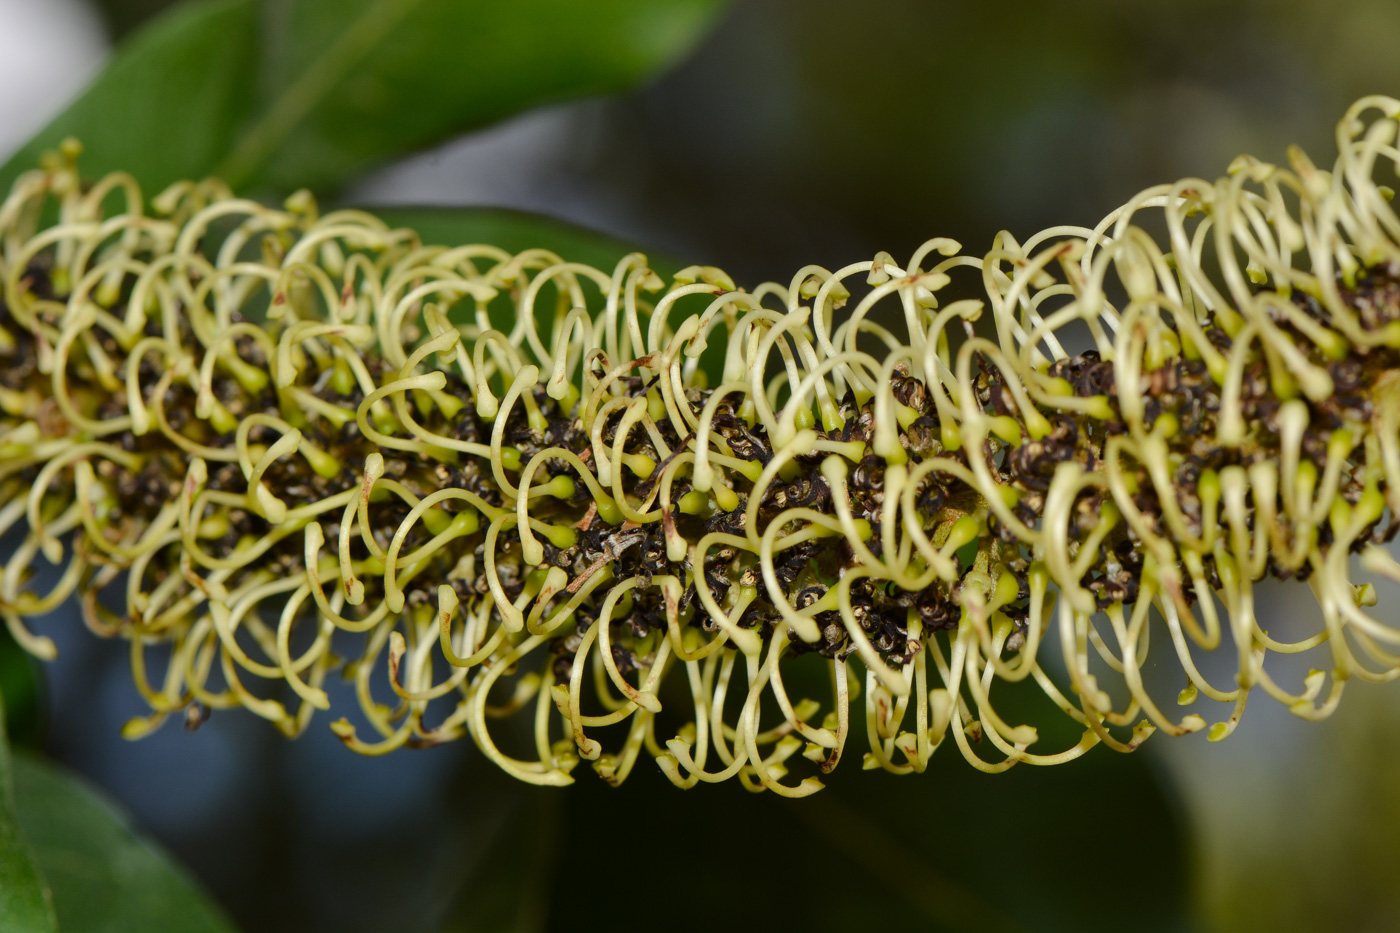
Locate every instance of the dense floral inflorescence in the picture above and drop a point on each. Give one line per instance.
(270, 447)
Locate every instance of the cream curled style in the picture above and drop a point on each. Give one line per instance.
(271, 448)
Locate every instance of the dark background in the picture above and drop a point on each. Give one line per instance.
(821, 131)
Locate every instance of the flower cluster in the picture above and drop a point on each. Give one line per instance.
(497, 495)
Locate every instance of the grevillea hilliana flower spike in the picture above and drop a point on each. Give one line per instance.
(271, 446)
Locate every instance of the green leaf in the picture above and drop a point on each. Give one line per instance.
(20, 688)
(168, 105)
(104, 877)
(311, 92)
(25, 906)
(507, 890)
(349, 84)
(515, 231)
(123, 16)
(950, 850)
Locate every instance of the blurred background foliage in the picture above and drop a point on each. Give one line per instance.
(758, 136)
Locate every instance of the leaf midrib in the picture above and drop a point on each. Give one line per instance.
(315, 84)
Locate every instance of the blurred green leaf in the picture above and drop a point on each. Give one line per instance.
(1091, 846)
(507, 890)
(19, 688)
(25, 906)
(308, 93)
(168, 105)
(515, 231)
(105, 878)
(123, 16)
(349, 84)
